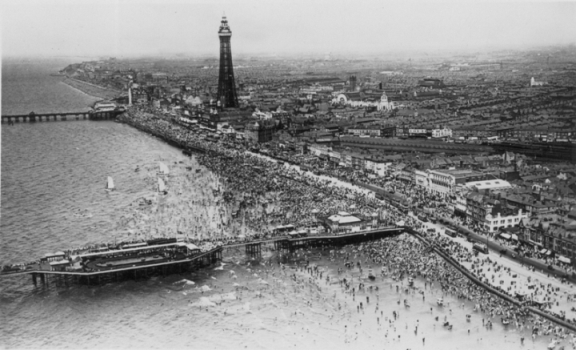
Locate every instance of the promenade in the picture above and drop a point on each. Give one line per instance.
(505, 248)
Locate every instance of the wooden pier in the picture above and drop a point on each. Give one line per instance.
(253, 248)
(294, 243)
(133, 272)
(58, 116)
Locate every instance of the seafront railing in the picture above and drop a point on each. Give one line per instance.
(499, 293)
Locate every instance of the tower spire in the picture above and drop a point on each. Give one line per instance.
(226, 84)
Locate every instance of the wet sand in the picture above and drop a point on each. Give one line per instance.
(258, 304)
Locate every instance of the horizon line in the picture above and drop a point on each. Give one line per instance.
(268, 54)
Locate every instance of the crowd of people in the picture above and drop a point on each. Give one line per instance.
(273, 194)
(264, 193)
(406, 258)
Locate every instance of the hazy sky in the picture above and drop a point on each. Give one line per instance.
(121, 28)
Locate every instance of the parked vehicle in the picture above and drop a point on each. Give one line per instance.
(480, 248)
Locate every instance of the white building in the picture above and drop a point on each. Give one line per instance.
(318, 150)
(460, 205)
(378, 167)
(262, 115)
(495, 221)
(420, 131)
(421, 178)
(445, 182)
(344, 222)
(365, 131)
(533, 82)
(104, 106)
(193, 101)
(445, 132)
(441, 182)
(490, 185)
(355, 100)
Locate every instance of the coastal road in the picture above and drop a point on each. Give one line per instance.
(496, 248)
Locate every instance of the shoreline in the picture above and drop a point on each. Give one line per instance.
(490, 289)
(75, 88)
(448, 258)
(86, 88)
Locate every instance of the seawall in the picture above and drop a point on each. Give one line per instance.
(487, 287)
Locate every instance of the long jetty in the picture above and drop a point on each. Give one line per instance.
(282, 243)
(293, 243)
(117, 274)
(58, 116)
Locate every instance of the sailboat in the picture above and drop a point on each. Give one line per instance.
(163, 169)
(110, 184)
(161, 185)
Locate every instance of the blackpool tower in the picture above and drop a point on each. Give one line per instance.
(226, 85)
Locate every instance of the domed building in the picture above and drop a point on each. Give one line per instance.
(360, 99)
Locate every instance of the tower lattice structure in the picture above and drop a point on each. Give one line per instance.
(226, 84)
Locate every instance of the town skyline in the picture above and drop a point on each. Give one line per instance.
(113, 28)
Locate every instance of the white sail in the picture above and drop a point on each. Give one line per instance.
(161, 185)
(110, 184)
(164, 169)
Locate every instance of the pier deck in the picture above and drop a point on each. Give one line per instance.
(214, 254)
(283, 242)
(343, 238)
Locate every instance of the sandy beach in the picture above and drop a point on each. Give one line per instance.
(288, 306)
